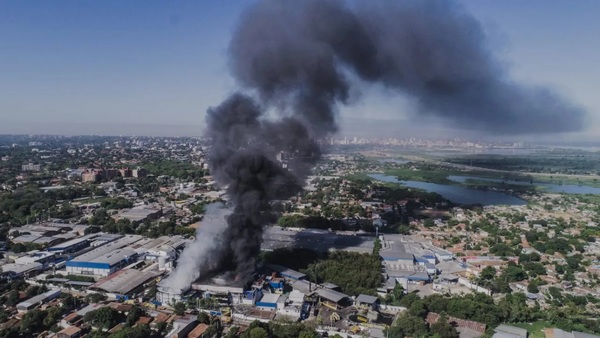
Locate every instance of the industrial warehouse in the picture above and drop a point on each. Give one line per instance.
(125, 267)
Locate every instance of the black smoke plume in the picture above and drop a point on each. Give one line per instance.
(305, 53)
(302, 59)
(243, 157)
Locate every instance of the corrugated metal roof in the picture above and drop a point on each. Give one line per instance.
(331, 295)
(37, 299)
(303, 286)
(512, 330)
(25, 238)
(21, 268)
(45, 240)
(366, 299)
(72, 242)
(107, 253)
(286, 272)
(397, 256)
(124, 281)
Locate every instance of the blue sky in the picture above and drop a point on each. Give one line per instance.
(153, 67)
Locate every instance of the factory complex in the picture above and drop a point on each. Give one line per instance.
(129, 267)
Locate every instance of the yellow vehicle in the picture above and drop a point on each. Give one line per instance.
(226, 315)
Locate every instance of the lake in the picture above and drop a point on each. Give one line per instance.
(457, 194)
(549, 187)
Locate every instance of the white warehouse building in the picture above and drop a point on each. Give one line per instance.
(104, 260)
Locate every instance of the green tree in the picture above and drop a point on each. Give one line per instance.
(513, 273)
(53, 315)
(233, 332)
(179, 308)
(444, 329)
(139, 331)
(395, 295)
(408, 326)
(532, 287)
(35, 290)
(418, 309)
(258, 332)
(33, 322)
(408, 299)
(133, 315)
(535, 269)
(376, 247)
(488, 273)
(307, 334)
(203, 317)
(429, 223)
(69, 302)
(354, 273)
(95, 298)
(103, 318)
(13, 298)
(211, 331)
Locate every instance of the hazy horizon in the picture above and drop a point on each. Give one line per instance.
(152, 69)
(353, 127)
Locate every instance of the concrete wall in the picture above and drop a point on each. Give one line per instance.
(467, 283)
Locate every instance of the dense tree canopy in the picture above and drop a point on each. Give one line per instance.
(276, 330)
(103, 318)
(353, 272)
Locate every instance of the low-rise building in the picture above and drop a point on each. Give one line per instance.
(507, 331)
(366, 302)
(37, 300)
(69, 332)
(107, 259)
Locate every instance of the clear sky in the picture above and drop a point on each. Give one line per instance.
(153, 67)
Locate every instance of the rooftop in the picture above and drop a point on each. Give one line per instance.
(331, 295)
(269, 298)
(198, 331)
(37, 299)
(20, 268)
(70, 331)
(286, 272)
(366, 299)
(72, 242)
(25, 238)
(510, 331)
(109, 253)
(124, 281)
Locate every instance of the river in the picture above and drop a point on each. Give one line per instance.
(457, 194)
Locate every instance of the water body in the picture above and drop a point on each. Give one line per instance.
(557, 188)
(457, 194)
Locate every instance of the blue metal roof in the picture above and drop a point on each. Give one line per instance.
(89, 265)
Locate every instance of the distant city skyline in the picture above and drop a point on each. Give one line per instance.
(153, 68)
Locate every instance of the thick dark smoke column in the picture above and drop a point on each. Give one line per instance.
(243, 158)
(300, 59)
(304, 53)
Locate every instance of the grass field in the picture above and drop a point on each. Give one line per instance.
(439, 176)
